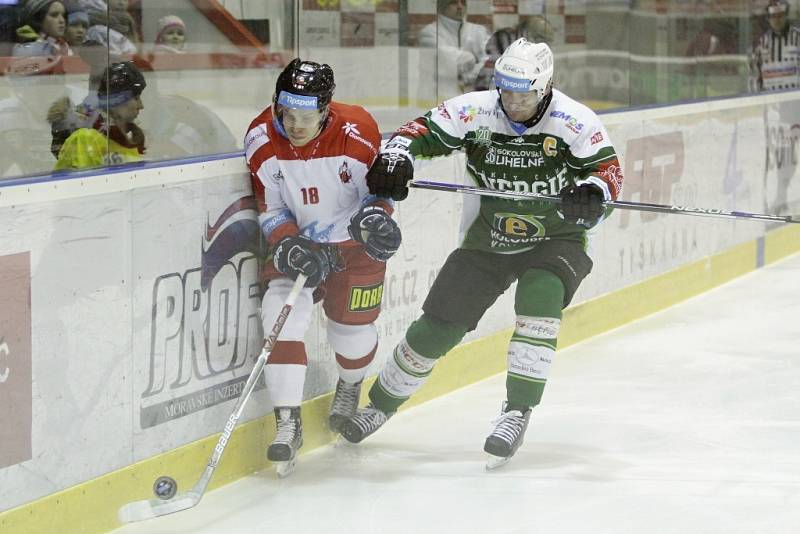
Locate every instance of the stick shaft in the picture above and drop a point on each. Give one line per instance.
(233, 420)
(619, 204)
(146, 509)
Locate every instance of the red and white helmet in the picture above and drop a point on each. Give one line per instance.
(525, 67)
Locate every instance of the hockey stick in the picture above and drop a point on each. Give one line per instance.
(620, 204)
(149, 508)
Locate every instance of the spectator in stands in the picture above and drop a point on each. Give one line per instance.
(114, 138)
(171, 36)
(534, 28)
(114, 29)
(89, 6)
(458, 42)
(44, 21)
(122, 8)
(77, 24)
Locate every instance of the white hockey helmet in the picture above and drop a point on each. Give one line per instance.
(525, 67)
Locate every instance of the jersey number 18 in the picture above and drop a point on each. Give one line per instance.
(310, 195)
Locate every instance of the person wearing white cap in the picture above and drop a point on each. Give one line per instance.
(171, 37)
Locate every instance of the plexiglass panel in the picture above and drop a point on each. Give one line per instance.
(208, 67)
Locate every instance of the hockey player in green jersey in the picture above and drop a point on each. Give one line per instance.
(522, 136)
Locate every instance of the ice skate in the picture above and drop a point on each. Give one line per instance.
(288, 439)
(364, 423)
(506, 436)
(344, 405)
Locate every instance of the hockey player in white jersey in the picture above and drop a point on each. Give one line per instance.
(522, 136)
(308, 158)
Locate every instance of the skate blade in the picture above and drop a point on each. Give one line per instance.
(284, 469)
(493, 462)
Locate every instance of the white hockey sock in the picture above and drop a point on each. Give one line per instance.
(285, 383)
(355, 347)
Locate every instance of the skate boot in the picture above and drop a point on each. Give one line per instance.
(507, 435)
(344, 405)
(288, 439)
(364, 423)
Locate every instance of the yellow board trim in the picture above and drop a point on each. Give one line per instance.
(91, 507)
(781, 242)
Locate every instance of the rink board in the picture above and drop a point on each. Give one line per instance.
(143, 314)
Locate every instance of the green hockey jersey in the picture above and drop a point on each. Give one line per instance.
(568, 144)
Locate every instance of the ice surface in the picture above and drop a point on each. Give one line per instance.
(684, 422)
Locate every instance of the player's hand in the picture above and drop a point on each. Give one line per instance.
(393, 169)
(297, 254)
(377, 231)
(582, 204)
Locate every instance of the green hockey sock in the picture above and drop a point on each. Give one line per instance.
(539, 298)
(433, 338)
(412, 361)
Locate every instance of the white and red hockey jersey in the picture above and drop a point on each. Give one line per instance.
(315, 189)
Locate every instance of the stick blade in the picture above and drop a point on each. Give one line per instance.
(150, 508)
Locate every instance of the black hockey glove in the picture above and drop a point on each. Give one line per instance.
(393, 169)
(582, 204)
(377, 231)
(297, 254)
